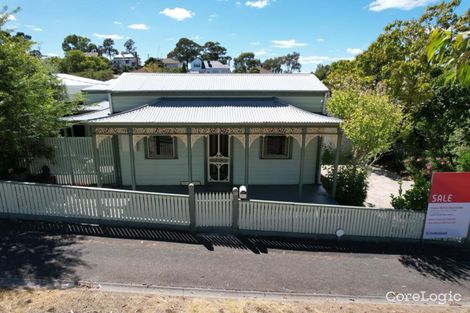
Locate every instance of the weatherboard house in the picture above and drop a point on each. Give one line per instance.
(214, 129)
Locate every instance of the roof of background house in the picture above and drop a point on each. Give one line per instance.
(124, 56)
(74, 84)
(215, 64)
(217, 111)
(132, 82)
(105, 86)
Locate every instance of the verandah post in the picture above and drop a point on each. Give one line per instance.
(96, 159)
(192, 208)
(302, 162)
(335, 168)
(247, 155)
(132, 158)
(235, 210)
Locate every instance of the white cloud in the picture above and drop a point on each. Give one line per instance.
(261, 52)
(259, 4)
(380, 5)
(212, 17)
(314, 59)
(178, 14)
(255, 43)
(117, 23)
(139, 26)
(290, 43)
(11, 17)
(34, 28)
(112, 36)
(320, 40)
(354, 51)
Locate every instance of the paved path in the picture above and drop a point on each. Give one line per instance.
(38, 251)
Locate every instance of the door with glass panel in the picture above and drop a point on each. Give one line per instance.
(218, 158)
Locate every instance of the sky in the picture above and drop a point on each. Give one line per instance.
(322, 31)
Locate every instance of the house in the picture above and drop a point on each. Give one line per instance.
(216, 129)
(212, 67)
(170, 63)
(95, 105)
(125, 60)
(75, 84)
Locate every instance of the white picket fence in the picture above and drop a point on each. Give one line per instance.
(93, 204)
(206, 210)
(73, 161)
(214, 209)
(315, 219)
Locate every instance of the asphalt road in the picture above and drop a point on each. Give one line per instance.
(120, 255)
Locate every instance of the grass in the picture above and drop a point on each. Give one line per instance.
(79, 300)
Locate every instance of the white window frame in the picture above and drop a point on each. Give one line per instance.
(274, 156)
(147, 148)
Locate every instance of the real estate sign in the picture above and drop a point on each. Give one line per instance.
(448, 213)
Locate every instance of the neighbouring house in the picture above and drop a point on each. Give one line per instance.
(211, 67)
(75, 84)
(214, 129)
(123, 60)
(170, 63)
(95, 104)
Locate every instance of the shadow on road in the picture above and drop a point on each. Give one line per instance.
(26, 245)
(27, 254)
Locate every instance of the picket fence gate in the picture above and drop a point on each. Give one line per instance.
(73, 161)
(200, 211)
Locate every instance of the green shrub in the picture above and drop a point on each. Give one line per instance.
(351, 187)
(463, 162)
(414, 199)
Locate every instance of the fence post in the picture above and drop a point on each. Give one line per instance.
(235, 210)
(192, 208)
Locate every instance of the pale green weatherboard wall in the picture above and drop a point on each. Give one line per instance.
(174, 171)
(123, 102)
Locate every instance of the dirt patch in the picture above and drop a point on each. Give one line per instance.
(86, 300)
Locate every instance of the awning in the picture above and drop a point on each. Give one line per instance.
(180, 111)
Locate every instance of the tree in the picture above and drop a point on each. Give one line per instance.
(130, 46)
(292, 63)
(322, 71)
(214, 51)
(451, 49)
(370, 121)
(75, 42)
(32, 103)
(77, 63)
(108, 47)
(185, 51)
(246, 63)
(273, 64)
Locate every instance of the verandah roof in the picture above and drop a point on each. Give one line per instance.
(217, 111)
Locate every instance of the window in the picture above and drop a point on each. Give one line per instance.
(275, 147)
(161, 147)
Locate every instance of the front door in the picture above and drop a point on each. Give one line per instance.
(218, 159)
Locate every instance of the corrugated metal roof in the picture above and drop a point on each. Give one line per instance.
(98, 106)
(217, 82)
(90, 111)
(217, 111)
(87, 116)
(74, 84)
(101, 87)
